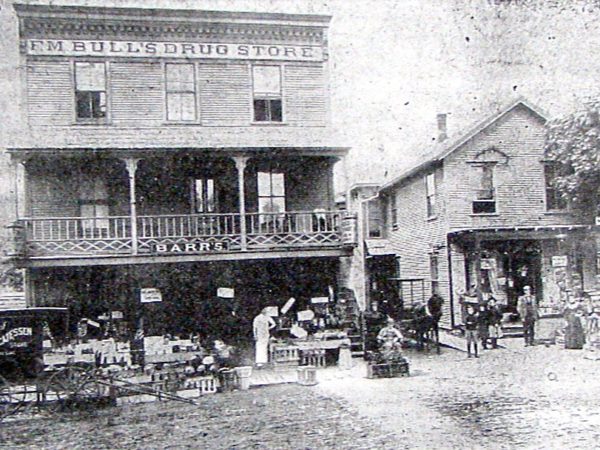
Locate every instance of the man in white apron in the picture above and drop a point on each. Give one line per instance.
(262, 325)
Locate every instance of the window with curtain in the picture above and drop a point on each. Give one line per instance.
(90, 90)
(271, 193)
(554, 201)
(180, 92)
(393, 211)
(204, 195)
(485, 196)
(430, 193)
(93, 201)
(266, 86)
(434, 273)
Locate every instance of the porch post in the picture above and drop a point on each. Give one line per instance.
(240, 164)
(478, 267)
(131, 164)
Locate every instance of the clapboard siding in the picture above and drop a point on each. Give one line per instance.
(51, 195)
(519, 183)
(136, 92)
(50, 93)
(225, 94)
(305, 101)
(416, 234)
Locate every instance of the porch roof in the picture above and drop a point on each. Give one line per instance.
(176, 137)
(23, 153)
(518, 232)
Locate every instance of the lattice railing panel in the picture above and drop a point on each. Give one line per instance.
(112, 246)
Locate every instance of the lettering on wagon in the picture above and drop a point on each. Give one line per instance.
(192, 247)
(11, 335)
(136, 49)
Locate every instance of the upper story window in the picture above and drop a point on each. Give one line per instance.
(554, 201)
(180, 92)
(375, 219)
(266, 89)
(430, 193)
(393, 211)
(485, 196)
(90, 90)
(271, 193)
(204, 195)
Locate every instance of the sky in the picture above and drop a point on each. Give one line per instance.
(396, 64)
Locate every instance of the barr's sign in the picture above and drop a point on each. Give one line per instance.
(189, 50)
(191, 247)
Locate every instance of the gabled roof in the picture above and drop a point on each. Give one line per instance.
(441, 150)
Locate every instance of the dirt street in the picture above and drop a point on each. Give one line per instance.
(508, 398)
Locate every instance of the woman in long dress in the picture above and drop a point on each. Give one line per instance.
(262, 325)
(574, 335)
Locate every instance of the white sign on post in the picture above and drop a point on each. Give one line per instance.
(559, 261)
(225, 292)
(150, 295)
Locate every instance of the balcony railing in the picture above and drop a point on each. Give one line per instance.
(173, 234)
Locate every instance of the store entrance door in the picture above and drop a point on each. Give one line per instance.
(524, 268)
(382, 289)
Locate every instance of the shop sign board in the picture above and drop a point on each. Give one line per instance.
(173, 49)
(319, 300)
(191, 247)
(349, 230)
(224, 292)
(150, 295)
(559, 261)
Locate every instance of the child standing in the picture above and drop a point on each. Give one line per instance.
(494, 320)
(471, 322)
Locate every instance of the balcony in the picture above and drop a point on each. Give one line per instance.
(163, 235)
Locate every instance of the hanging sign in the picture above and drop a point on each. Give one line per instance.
(150, 295)
(319, 300)
(559, 261)
(288, 305)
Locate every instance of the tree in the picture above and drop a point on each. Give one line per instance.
(573, 142)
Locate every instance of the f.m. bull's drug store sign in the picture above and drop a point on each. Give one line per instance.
(189, 50)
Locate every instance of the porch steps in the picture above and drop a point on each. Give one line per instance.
(512, 330)
(357, 345)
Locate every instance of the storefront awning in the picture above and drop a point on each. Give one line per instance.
(379, 247)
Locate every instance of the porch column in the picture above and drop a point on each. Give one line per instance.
(240, 164)
(478, 267)
(131, 164)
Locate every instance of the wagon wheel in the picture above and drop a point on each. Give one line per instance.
(12, 397)
(69, 388)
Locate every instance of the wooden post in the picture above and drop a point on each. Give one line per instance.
(240, 164)
(478, 268)
(132, 164)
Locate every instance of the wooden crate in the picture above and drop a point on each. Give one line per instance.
(387, 370)
(285, 355)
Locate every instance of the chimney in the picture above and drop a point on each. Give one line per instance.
(442, 129)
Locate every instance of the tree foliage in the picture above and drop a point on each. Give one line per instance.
(573, 141)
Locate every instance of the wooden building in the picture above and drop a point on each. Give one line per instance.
(480, 211)
(177, 150)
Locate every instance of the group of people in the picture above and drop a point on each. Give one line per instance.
(582, 320)
(482, 324)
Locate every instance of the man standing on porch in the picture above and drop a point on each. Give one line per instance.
(262, 325)
(527, 308)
